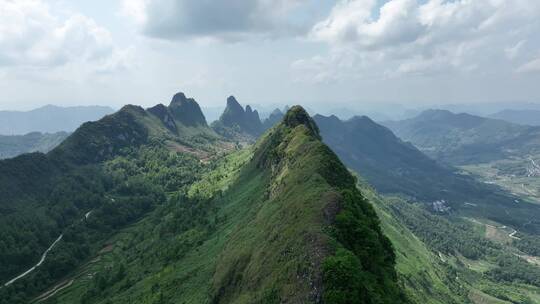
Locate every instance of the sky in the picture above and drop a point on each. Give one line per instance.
(318, 53)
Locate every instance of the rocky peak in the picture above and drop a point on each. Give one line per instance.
(163, 113)
(246, 121)
(233, 105)
(186, 110)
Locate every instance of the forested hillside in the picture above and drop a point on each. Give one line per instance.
(148, 214)
(47, 196)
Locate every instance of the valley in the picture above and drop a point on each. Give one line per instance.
(516, 175)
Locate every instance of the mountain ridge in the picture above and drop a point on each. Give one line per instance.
(279, 222)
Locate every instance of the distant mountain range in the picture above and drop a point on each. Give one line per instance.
(522, 117)
(464, 139)
(11, 146)
(49, 119)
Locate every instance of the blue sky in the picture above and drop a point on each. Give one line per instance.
(323, 54)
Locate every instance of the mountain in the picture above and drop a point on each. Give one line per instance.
(11, 146)
(394, 167)
(46, 195)
(434, 245)
(49, 119)
(464, 139)
(187, 111)
(389, 164)
(141, 206)
(237, 122)
(521, 117)
(152, 206)
(273, 119)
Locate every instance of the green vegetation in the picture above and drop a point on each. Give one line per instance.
(155, 219)
(529, 244)
(397, 168)
(153, 206)
(483, 267)
(424, 276)
(105, 176)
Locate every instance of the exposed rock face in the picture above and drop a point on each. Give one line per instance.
(233, 114)
(253, 121)
(187, 111)
(163, 113)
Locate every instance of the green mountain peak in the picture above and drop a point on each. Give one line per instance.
(296, 116)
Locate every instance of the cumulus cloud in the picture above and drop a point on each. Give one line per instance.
(433, 36)
(30, 35)
(215, 19)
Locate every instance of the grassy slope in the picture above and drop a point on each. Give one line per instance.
(421, 272)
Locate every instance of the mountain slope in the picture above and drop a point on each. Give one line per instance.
(11, 146)
(395, 167)
(449, 259)
(281, 222)
(49, 119)
(43, 196)
(389, 164)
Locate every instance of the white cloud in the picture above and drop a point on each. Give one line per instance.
(32, 36)
(352, 22)
(531, 66)
(214, 19)
(434, 36)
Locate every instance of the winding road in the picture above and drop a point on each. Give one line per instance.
(43, 257)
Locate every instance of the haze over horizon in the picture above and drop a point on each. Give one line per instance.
(323, 54)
